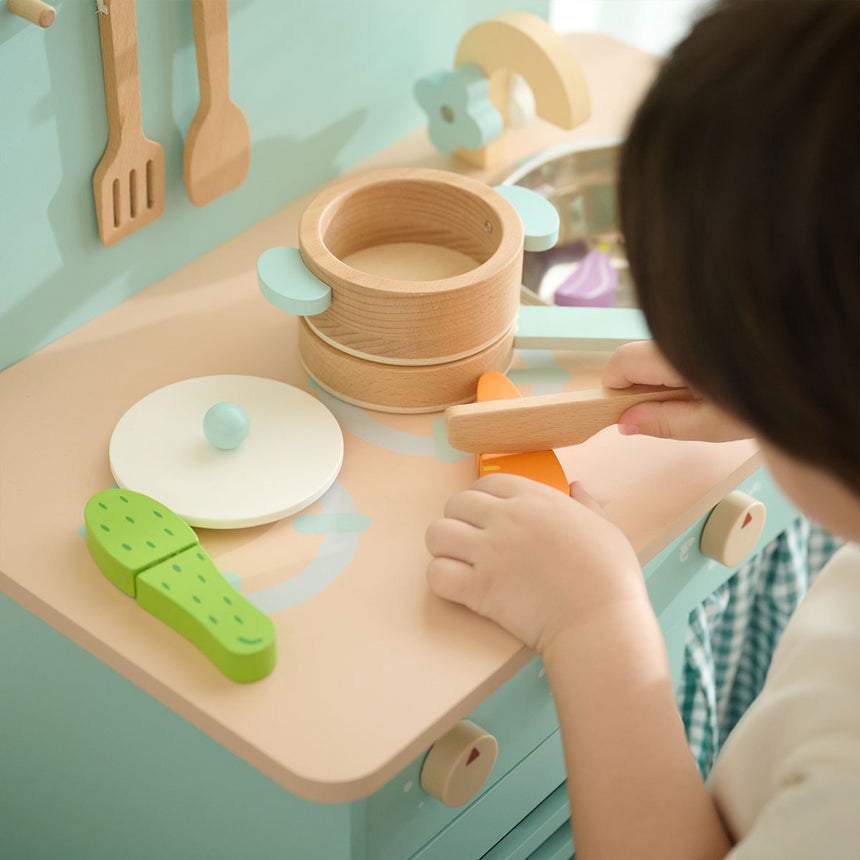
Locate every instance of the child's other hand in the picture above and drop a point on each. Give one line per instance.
(641, 363)
(533, 560)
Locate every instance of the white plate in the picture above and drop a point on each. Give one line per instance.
(291, 456)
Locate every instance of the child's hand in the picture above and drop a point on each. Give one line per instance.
(533, 560)
(641, 363)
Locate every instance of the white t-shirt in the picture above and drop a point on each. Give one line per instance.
(787, 781)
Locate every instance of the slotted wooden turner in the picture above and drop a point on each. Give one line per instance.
(128, 183)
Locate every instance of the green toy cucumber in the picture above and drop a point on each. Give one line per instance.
(152, 554)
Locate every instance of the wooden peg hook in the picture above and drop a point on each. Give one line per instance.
(33, 10)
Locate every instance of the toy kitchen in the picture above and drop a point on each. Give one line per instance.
(256, 259)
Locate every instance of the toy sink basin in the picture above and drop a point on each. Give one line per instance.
(580, 181)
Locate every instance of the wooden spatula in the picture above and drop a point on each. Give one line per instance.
(218, 144)
(546, 421)
(128, 183)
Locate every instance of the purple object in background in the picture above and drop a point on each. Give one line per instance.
(592, 284)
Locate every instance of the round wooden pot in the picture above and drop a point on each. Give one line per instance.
(400, 388)
(414, 322)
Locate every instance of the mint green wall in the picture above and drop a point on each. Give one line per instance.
(323, 84)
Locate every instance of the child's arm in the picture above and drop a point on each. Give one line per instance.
(641, 363)
(634, 788)
(558, 575)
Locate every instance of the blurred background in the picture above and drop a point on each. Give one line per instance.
(652, 25)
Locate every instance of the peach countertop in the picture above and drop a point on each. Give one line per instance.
(372, 668)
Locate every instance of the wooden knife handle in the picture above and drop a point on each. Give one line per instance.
(547, 420)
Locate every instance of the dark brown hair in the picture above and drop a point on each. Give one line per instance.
(739, 205)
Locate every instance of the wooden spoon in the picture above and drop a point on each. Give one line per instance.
(128, 182)
(218, 144)
(546, 421)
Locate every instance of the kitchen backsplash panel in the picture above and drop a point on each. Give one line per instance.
(323, 85)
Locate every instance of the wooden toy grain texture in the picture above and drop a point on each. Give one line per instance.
(541, 466)
(128, 182)
(414, 322)
(34, 11)
(519, 42)
(399, 388)
(547, 420)
(217, 150)
(375, 628)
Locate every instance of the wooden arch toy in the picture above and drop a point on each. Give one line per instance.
(521, 43)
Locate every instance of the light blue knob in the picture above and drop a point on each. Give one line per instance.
(226, 425)
(540, 218)
(286, 282)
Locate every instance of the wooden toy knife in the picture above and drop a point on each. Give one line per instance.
(546, 420)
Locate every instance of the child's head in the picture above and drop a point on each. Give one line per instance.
(739, 205)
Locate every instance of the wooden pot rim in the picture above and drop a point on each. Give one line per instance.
(322, 225)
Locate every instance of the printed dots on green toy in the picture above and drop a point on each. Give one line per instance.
(128, 532)
(150, 553)
(189, 594)
(226, 425)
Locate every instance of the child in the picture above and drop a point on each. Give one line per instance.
(739, 206)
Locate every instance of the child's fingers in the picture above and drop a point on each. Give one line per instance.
(683, 420)
(504, 486)
(472, 507)
(640, 363)
(686, 421)
(452, 539)
(451, 579)
(581, 495)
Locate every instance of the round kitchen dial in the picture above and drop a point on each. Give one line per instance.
(459, 763)
(732, 529)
